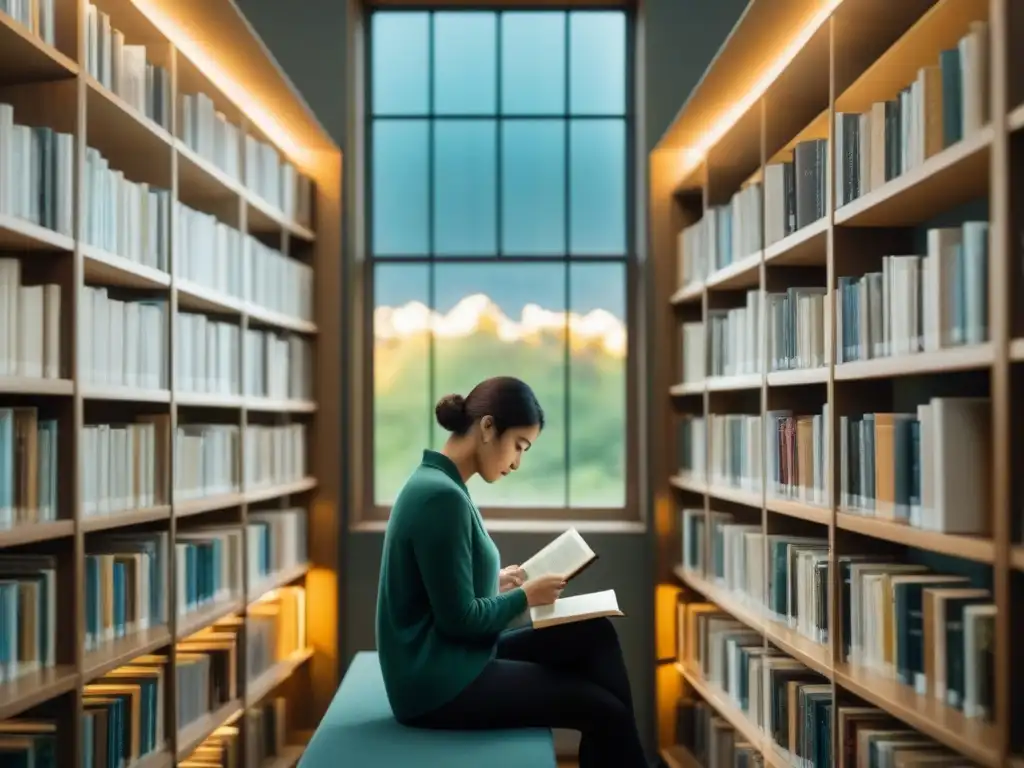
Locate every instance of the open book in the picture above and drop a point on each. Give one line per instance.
(567, 555)
(566, 610)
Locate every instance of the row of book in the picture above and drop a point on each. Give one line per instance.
(798, 329)
(735, 343)
(276, 541)
(208, 567)
(28, 467)
(277, 366)
(930, 468)
(275, 629)
(207, 355)
(122, 465)
(37, 16)
(28, 614)
(125, 585)
(209, 133)
(946, 102)
(276, 282)
(124, 69)
(274, 455)
(944, 299)
(276, 181)
(796, 455)
(795, 190)
(123, 714)
(208, 670)
(694, 353)
(123, 343)
(724, 235)
(128, 219)
(36, 172)
(206, 460)
(735, 454)
(266, 737)
(691, 446)
(929, 630)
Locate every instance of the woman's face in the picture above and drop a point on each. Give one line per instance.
(500, 455)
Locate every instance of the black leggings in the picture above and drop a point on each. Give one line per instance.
(571, 676)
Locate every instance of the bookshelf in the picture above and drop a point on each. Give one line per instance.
(805, 465)
(169, 277)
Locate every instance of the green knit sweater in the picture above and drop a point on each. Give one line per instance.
(439, 613)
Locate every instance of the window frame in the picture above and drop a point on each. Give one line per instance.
(367, 509)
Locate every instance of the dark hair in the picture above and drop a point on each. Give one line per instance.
(507, 400)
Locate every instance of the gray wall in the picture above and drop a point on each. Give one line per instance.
(681, 38)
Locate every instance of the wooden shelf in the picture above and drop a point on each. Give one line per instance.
(687, 388)
(277, 580)
(740, 274)
(737, 495)
(968, 547)
(805, 247)
(258, 689)
(798, 377)
(25, 58)
(686, 483)
(942, 361)
(688, 294)
(801, 510)
(194, 734)
(18, 234)
(733, 383)
(121, 651)
(111, 269)
(122, 519)
(191, 623)
(30, 533)
(33, 689)
(724, 706)
(288, 489)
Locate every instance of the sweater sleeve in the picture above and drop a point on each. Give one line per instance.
(443, 546)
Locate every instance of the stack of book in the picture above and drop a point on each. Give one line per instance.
(735, 339)
(210, 134)
(124, 70)
(795, 190)
(735, 450)
(28, 467)
(796, 455)
(124, 218)
(208, 252)
(277, 182)
(28, 603)
(276, 282)
(36, 171)
(206, 460)
(207, 355)
(122, 343)
(711, 739)
(275, 629)
(124, 465)
(274, 455)
(208, 670)
(930, 468)
(124, 713)
(30, 325)
(125, 585)
(947, 102)
(943, 302)
(221, 749)
(208, 567)
(277, 542)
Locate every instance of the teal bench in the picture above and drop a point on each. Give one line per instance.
(359, 731)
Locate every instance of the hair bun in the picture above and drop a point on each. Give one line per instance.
(450, 412)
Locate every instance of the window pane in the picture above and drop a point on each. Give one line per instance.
(533, 63)
(533, 187)
(465, 188)
(401, 53)
(465, 63)
(597, 385)
(597, 63)
(402, 406)
(498, 319)
(400, 188)
(597, 187)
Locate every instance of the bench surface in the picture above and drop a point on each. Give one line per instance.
(359, 731)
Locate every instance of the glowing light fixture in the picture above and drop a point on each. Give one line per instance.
(255, 111)
(690, 157)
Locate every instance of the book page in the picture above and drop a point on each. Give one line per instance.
(576, 608)
(564, 556)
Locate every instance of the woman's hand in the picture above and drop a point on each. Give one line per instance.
(543, 590)
(510, 577)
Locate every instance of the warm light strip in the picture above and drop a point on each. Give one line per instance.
(692, 156)
(254, 111)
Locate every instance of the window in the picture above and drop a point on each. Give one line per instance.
(500, 239)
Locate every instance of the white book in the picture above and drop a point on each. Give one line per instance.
(567, 555)
(577, 608)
